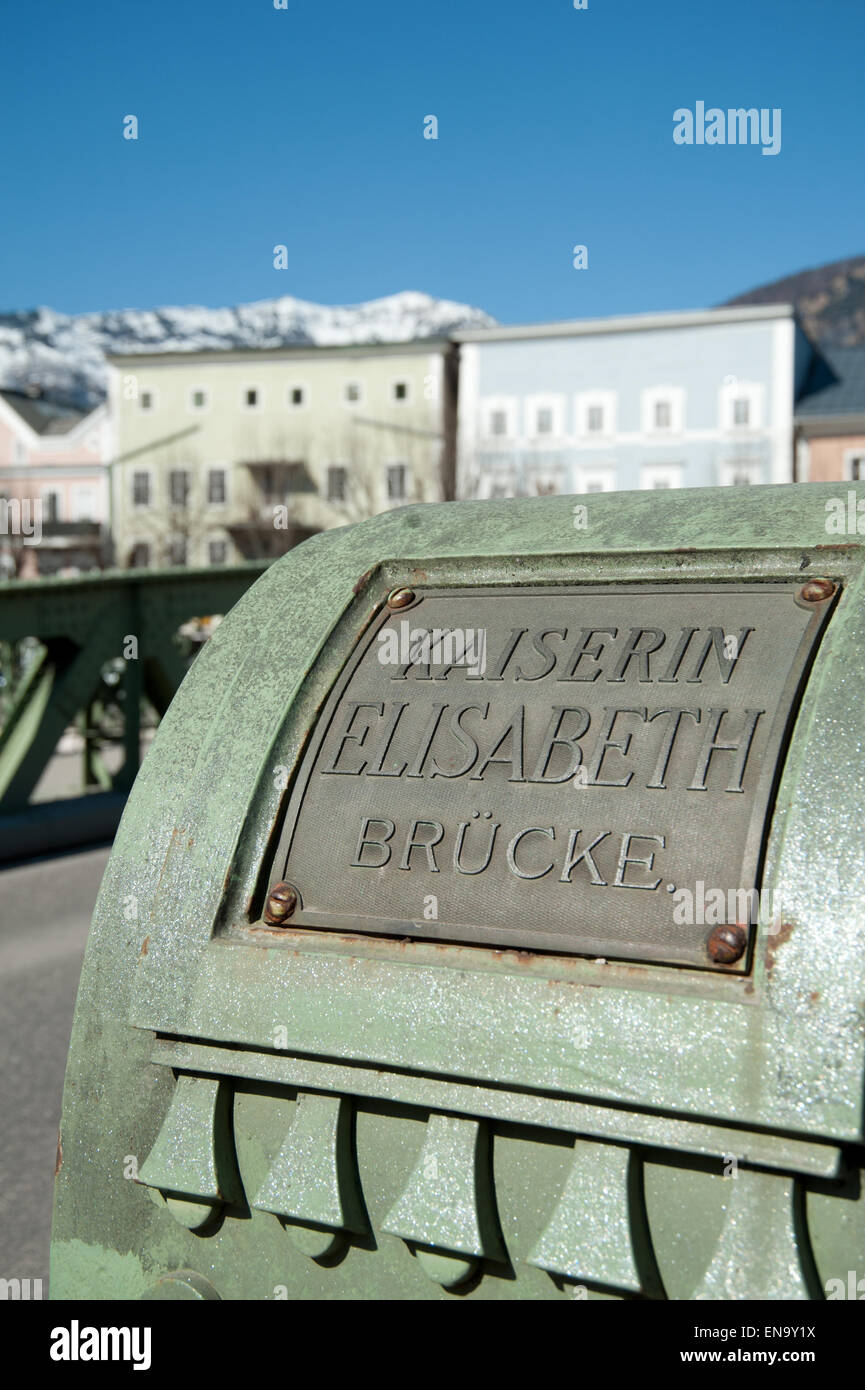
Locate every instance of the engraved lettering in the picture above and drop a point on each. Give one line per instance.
(458, 848)
(514, 735)
(711, 745)
(625, 858)
(498, 671)
(544, 650)
(347, 736)
(633, 651)
(670, 675)
(660, 772)
(412, 842)
(512, 851)
(605, 742)
(377, 769)
(572, 859)
(593, 653)
(417, 767)
(717, 638)
(365, 839)
(553, 738)
(465, 740)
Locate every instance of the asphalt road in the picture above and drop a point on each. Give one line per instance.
(45, 910)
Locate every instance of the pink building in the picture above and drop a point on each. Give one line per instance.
(53, 486)
(830, 418)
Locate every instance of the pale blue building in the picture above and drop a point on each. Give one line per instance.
(652, 400)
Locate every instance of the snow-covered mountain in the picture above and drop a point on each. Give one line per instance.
(65, 354)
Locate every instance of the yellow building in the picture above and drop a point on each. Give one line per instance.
(231, 455)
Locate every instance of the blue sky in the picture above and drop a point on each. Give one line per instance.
(304, 127)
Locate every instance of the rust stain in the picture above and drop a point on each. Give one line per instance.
(775, 940)
(144, 945)
(190, 843)
(364, 580)
(813, 996)
(58, 1162)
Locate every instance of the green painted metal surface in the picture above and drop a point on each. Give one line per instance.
(82, 624)
(401, 1118)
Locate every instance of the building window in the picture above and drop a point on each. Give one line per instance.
(141, 489)
(598, 479)
(146, 401)
(741, 404)
(177, 551)
(19, 452)
(855, 468)
(336, 484)
(296, 397)
(251, 398)
(662, 410)
(544, 415)
(51, 506)
(139, 556)
(595, 413)
(396, 482)
(352, 393)
(661, 475)
(198, 399)
(216, 489)
(83, 504)
(400, 390)
(217, 552)
(737, 473)
(498, 416)
(178, 487)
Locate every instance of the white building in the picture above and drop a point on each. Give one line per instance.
(652, 400)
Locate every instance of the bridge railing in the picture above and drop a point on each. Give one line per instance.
(89, 653)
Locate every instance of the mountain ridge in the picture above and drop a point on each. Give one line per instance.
(65, 353)
(829, 299)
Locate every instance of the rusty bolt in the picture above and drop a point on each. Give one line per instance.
(281, 903)
(727, 943)
(400, 598)
(816, 590)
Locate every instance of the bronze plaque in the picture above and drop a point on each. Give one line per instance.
(582, 770)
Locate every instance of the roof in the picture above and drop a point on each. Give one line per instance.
(43, 415)
(835, 384)
(626, 323)
(436, 343)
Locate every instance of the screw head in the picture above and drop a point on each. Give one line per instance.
(816, 590)
(401, 598)
(281, 904)
(727, 943)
